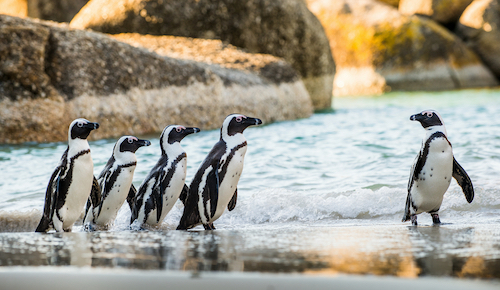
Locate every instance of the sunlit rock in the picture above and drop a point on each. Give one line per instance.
(284, 28)
(479, 27)
(442, 11)
(377, 49)
(50, 75)
(394, 3)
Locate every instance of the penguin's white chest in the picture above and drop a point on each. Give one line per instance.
(230, 181)
(115, 197)
(434, 179)
(78, 191)
(172, 192)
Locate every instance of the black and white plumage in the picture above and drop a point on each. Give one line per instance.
(166, 181)
(70, 184)
(432, 170)
(115, 183)
(214, 186)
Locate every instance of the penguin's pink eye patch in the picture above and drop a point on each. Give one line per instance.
(179, 129)
(429, 114)
(131, 139)
(239, 119)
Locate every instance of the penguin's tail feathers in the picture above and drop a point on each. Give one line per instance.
(43, 226)
(189, 220)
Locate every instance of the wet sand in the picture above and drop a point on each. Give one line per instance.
(397, 250)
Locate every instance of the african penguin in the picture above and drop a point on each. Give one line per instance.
(115, 183)
(432, 171)
(70, 184)
(166, 181)
(214, 185)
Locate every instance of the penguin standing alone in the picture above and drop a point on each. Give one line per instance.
(166, 181)
(214, 186)
(70, 184)
(432, 171)
(115, 183)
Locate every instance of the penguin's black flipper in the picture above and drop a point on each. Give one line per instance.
(463, 180)
(159, 202)
(131, 197)
(50, 201)
(232, 202)
(184, 194)
(95, 193)
(406, 216)
(213, 189)
(94, 198)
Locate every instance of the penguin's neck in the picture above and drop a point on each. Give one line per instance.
(234, 140)
(76, 146)
(125, 157)
(173, 150)
(433, 129)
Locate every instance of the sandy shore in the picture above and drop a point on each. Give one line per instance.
(54, 278)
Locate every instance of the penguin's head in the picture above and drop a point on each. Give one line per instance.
(236, 123)
(175, 133)
(428, 118)
(129, 144)
(81, 128)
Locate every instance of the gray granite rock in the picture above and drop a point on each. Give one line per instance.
(479, 27)
(284, 28)
(51, 74)
(377, 49)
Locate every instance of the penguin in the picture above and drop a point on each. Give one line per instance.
(432, 171)
(214, 186)
(115, 182)
(72, 181)
(166, 181)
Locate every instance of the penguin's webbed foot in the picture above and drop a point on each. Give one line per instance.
(435, 218)
(209, 227)
(414, 220)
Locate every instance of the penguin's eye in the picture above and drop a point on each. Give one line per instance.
(239, 119)
(178, 129)
(429, 114)
(130, 140)
(79, 124)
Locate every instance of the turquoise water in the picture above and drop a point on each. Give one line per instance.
(350, 165)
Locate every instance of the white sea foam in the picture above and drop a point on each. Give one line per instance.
(281, 206)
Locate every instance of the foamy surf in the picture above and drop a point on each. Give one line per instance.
(281, 206)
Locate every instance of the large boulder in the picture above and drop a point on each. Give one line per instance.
(442, 11)
(284, 28)
(51, 74)
(479, 27)
(56, 10)
(377, 49)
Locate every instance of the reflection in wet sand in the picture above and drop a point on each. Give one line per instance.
(455, 251)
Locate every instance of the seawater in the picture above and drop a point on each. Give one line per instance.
(348, 166)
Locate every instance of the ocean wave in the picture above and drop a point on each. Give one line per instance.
(281, 206)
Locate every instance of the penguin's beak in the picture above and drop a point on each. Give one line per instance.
(416, 117)
(191, 130)
(249, 121)
(141, 142)
(91, 126)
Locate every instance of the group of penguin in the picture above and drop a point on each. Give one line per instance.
(73, 188)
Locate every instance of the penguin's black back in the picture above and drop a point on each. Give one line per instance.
(191, 217)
